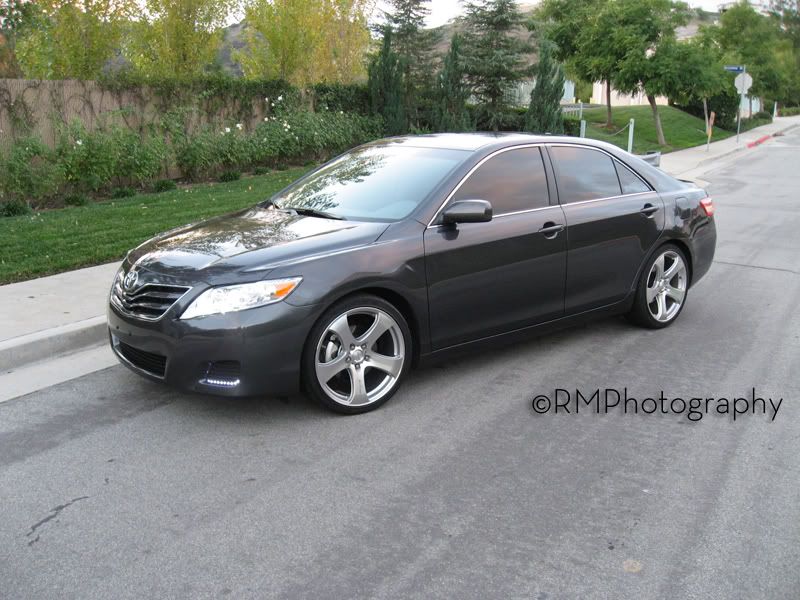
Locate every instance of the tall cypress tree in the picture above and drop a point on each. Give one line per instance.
(451, 92)
(414, 44)
(495, 56)
(544, 112)
(386, 86)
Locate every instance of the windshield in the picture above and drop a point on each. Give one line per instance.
(376, 183)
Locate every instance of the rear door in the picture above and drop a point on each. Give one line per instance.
(613, 220)
(490, 278)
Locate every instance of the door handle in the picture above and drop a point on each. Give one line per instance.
(550, 230)
(649, 210)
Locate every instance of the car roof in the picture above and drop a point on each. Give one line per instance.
(478, 141)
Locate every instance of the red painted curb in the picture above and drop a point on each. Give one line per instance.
(759, 141)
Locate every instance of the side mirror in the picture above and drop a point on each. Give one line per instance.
(467, 211)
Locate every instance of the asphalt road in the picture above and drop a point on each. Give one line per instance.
(113, 487)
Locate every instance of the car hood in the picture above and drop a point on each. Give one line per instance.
(251, 240)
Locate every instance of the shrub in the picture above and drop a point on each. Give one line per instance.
(228, 176)
(790, 111)
(30, 172)
(164, 185)
(138, 158)
(763, 115)
(88, 159)
(76, 200)
(260, 170)
(14, 208)
(123, 192)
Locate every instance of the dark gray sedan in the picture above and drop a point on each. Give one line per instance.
(407, 249)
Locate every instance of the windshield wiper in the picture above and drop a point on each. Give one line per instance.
(312, 212)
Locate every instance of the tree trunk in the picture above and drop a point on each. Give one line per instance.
(609, 122)
(659, 131)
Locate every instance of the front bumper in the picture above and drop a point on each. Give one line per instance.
(246, 353)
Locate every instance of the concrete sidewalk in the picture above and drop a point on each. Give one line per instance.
(693, 162)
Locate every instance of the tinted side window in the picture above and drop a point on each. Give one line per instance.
(584, 174)
(630, 182)
(512, 181)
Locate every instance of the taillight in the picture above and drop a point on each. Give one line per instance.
(708, 206)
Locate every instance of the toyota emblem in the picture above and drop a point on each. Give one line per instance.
(130, 280)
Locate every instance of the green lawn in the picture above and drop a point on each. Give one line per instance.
(681, 129)
(60, 240)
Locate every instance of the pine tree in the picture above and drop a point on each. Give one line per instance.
(386, 86)
(544, 112)
(451, 102)
(414, 45)
(495, 57)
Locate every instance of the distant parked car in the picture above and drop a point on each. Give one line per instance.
(407, 248)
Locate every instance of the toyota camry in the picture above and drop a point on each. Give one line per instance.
(403, 250)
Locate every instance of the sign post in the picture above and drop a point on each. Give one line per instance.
(743, 83)
(710, 129)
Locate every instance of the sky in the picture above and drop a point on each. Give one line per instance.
(444, 10)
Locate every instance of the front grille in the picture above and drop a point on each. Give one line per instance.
(155, 364)
(148, 302)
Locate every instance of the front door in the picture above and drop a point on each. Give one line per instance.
(494, 277)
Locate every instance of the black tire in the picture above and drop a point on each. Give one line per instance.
(395, 339)
(641, 313)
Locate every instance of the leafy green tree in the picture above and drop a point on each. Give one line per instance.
(414, 45)
(73, 39)
(178, 38)
(15, 17)
(305, 41)
(386, 86)
(747, 37)
(581, 38)
(495, 56)
(544, 112)
(786, 15)
(452, 93)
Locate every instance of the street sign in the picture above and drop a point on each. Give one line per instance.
(743, 82)
(735, 68)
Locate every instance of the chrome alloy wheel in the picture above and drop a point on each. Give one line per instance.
(360, 356)
(666, 286)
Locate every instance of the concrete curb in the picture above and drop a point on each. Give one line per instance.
(746, 146)
(26, 349)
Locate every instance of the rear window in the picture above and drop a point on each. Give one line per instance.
(584, 174)
(630, 182)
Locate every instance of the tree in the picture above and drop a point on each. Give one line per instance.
(747, 37)
(73, 39)
(305, 41)
(414, 45)
(495, 57)
(703, 75)
(15, 17)
(544, 112)
(786, 15)
(386, 86)
(451, 92)
(178, 38)
(580, 37)
(646, 29)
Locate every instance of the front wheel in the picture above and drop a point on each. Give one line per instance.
(661, 294)
(357, 355)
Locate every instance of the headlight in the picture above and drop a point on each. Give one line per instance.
(231, 298)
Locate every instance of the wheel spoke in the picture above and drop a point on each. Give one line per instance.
(652, 292)
(661, 301)
(658, 266)
(676, 268)
(388, 364)
(676, 294)
(381, 325)
(341, 327)
(358, 387)
(326, 371)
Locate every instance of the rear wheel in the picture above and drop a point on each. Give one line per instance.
(357, 355)
(661, 294)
